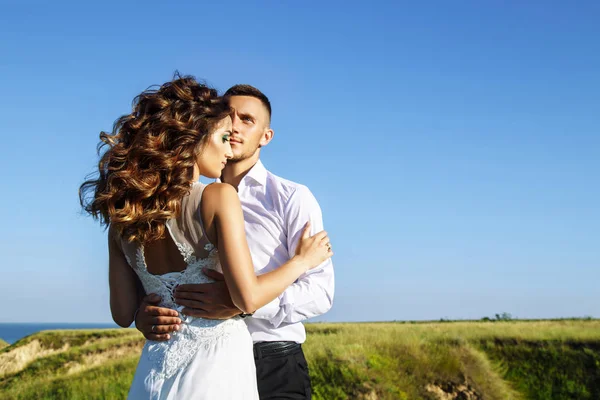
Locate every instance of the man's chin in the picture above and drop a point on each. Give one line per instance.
(236, 159)
(240, 157)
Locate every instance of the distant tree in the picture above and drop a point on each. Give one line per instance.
(504, 317)
(486, 319)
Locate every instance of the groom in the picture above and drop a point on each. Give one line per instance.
(275, 212)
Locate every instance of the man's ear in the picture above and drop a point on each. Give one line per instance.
(266, 137)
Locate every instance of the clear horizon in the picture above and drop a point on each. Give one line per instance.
(492, 319)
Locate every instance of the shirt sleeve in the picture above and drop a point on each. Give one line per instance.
(312, 293)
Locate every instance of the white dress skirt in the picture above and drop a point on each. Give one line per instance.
(193, 366)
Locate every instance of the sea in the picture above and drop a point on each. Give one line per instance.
(11, 332)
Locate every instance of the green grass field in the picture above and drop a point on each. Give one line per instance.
(439, 360)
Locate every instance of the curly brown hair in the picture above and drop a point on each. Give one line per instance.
(148, 166)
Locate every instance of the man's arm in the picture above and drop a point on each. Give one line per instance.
(312, 294)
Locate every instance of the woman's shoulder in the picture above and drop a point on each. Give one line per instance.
(220, 190)
(218, 195)
(201, 192)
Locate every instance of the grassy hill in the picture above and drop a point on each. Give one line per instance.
(3, 343)
(443, 360)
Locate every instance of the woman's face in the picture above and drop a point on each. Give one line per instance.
(216, 150)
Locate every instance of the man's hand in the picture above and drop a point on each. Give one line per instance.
(207, 300)
(156, 322)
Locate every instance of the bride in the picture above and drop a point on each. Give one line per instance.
(165, 226)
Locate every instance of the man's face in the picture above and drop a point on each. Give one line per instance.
(250, 128)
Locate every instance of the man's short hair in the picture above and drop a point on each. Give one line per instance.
(248, 90)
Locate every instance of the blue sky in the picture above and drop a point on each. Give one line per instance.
(453, 146)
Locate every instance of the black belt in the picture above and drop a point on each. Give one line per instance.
(279, 349)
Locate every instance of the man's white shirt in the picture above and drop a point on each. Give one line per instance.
(275, 212)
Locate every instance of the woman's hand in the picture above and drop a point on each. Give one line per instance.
(313, 250)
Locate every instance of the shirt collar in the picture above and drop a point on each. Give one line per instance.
(258, 173)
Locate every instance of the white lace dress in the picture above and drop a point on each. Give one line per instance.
(205, 359)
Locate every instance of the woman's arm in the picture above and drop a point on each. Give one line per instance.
(123, 283)
(224, 219)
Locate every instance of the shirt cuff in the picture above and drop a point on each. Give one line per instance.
(268, 311)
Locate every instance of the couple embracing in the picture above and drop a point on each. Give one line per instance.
(217, 277)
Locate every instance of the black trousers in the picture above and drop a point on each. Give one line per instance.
(282, 375)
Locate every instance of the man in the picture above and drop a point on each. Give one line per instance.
(275, 212)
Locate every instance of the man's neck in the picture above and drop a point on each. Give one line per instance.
(234, 172)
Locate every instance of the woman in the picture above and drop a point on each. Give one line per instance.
(165, 227)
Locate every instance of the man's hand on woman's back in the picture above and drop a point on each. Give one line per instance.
(156, 323)
(207, 300)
